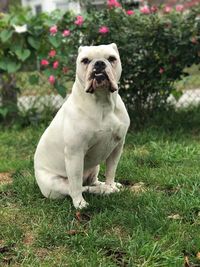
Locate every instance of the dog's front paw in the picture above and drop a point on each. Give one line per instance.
(111, 188)
(118, 185)
(80, 203)
(98, 183)
(103, 188)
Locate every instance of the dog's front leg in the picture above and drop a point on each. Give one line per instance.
(74, 167)
(111, 167)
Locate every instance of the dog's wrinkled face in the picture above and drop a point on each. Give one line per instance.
(99, 67)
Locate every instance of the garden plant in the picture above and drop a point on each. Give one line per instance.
(156, 45)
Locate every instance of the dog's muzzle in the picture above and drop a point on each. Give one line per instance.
(100, 78)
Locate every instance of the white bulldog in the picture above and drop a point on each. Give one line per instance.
(89, 128)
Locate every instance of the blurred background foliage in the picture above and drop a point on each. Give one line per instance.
(157, 50)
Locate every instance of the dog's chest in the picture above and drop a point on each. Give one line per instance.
(104, 140)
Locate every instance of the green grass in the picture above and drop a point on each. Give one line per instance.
(123, 229)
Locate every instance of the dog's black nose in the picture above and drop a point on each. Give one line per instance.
(99, 65)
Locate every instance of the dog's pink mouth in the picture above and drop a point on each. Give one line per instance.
(99, 80)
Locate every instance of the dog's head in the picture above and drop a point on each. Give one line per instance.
(99, 67)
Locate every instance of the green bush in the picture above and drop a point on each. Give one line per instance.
(155, 48)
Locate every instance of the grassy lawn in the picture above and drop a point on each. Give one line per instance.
(146, 225)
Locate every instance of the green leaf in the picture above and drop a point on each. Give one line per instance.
(22, 54)
(5, 35)
(9, 64)
(47, 72)
(3, 64)
(61, 89)
(33, 42)
(3, 112)
(12, 66)
(34, 79)
(15, 46)
(55, 41)
(177, 94)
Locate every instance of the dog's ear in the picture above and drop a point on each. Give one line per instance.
(80, 49)
(114, 46)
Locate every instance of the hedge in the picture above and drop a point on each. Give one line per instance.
(155, 47)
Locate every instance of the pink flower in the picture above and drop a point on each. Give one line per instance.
(130, 12)
(194, 40)
(52, 79)
(55, 64)
(145, 10)
(103, 30)
(161, 70)
(79, 20)
(44, 62)
(65, 70)
(66, 33)
(154, 9)
(52, 53)
(179, 8)
(167, 9)
(113, 3)
(53, 30)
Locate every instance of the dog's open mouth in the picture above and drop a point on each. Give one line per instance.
(100, 77)
(99, 80)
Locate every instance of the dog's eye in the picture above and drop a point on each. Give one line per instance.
(85, 60)
(112, 59)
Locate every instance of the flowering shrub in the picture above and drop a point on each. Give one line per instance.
(155, 46)
(103, 30)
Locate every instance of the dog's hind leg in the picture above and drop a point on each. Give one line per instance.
(51, 185)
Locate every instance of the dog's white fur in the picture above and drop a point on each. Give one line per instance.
(87, 130)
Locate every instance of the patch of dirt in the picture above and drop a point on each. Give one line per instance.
(126, 182)
(6, 253)
(198, 255)
(28, 239)
(168, 190)
(138, 188)
(118, 231)
(5, 248)
(5, 178)
(56, 252)
(75, 232)
(42, 253)
(1, 242)
(82, 217)
(189, 258)
(117, 256)
(175, 217)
